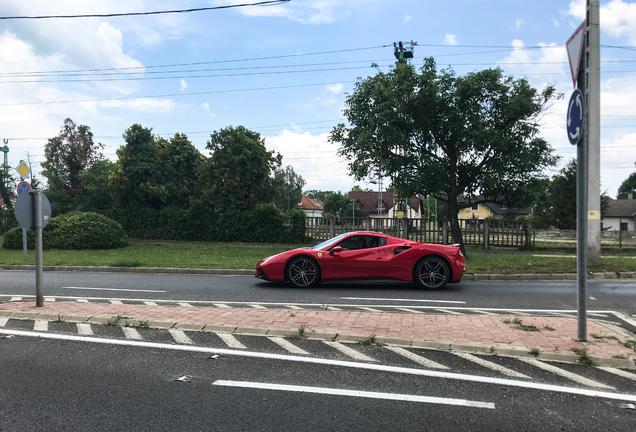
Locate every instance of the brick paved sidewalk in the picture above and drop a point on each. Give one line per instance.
(476, 333)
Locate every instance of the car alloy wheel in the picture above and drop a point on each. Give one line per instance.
(303, 272)
(432, 273)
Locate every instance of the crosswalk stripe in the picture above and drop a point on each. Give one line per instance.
(3, 321)
(150, 303)
(417, 358)
(490, 365)
(40, 325)
(15, 299)
(131, 333)
(288, 345)
(116, 302)
(257, 306)
(369, 309)
(619, 372)
(222, 305)
(450, 312)
(185, 304)
(569, 375)
(230, 340)
(180, 337)
(410, 310)
(84, 329)
(81, 300)
(349, 351)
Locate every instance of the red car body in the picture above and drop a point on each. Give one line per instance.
(365, 255)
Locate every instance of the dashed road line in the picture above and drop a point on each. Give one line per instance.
(370, 309)
(349, 351)
(355, 393)
(222, 306)
(490, 365)
(3, 321)
(284, 343)
(49, 299)
(417, 358)
(131, 333)
(84, 329)
(569, 375)
(403, 300)
(40, 325)
(410, 310)
(230, 340)
(183, 304)
(619, 372)
(116, 302)
(327, 307)
(294, 307)
(483, 312)
(150, 303)
(450, 312)
(81, 300)
(16, 299)
(257, 306)
(180, 337)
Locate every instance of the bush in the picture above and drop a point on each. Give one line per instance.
(75, 230)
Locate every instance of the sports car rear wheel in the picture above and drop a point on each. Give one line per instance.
(303, 272)
(431, 273)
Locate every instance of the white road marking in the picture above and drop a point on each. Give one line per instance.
(349, 351)
(592, 298)
(410, 310)
(49, 299)
(180, 337)
(81, 300)
(356, 393)
(131, 333)
(485, 312)
(624, 317)
(417, 358)
(257, 306)
(182, 304)
(230, 340)
(597, 315)
(288, 345)
(491, 365)
(569, 375)
(84, 329)
(113, 289)
(619, 372)
(329, 307)
(450, 312)
(3, 321)
(40, 325)
(16, 299)
(222, 305)
(313, 360)
(370, 309)
(294, 307)
(150, 303)
(402, 300)
(116, 302)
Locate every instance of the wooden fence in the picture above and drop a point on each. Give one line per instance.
(479, 232)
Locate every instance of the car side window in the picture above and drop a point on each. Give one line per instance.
(362, 242)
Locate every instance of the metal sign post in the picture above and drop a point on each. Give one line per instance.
(36, 195)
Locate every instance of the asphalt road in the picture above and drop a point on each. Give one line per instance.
(616, 295)
(68, 385)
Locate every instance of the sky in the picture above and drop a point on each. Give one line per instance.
(285, 70)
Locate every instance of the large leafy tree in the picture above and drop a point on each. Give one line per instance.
(289, 186)
(239, 173)
(627, 187)
(436, 133)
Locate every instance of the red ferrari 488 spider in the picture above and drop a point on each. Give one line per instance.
(364, 255)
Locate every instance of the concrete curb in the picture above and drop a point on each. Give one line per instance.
(251, 272)
(346, 338)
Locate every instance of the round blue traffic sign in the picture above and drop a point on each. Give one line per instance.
(576, 114)
(23, 187)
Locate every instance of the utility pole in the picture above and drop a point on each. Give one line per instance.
(5, 150)
(592, 52)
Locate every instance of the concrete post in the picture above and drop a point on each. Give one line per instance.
(332, 226)
(444, 231)
(486, 233)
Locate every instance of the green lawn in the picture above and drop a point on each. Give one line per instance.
(233, 256)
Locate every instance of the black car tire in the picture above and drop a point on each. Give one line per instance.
(431, 273)
(303, 272)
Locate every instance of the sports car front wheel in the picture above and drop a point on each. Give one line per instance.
(303, 272)
(431, 273)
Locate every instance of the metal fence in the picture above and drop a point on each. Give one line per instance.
(479, 232)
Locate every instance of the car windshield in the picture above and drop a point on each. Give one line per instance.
(328, 243)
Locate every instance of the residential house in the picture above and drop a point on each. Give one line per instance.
(369, 201)
(487, 210)
(312, 207)
(620, 215)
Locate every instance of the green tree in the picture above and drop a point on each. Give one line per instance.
(357, 188)
(289, 186)
(627, 187)
(435, 133)
(239, 173)
(97, 196)
(340, 205)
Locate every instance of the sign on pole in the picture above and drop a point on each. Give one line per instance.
(23, 187)
(574, 46)
(576, 114)
(23, 169)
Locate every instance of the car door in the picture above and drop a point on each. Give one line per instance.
(354, 262)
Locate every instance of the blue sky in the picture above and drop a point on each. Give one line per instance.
(284, 70)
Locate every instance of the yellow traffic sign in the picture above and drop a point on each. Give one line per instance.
(23, 169)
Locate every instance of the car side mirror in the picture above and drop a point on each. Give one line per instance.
(337, 249)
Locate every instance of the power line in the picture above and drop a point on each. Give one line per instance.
(261, 3)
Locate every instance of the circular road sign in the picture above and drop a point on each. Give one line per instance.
(576, 113)
(23, 210)
(23, 187)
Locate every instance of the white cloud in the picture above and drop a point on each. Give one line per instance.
(407, 18)
(206, 107)
(308, 12)
(184, 85)
(150, 105)
(556, 23)
(618, 18)
(518, 23)
(546, 60)
(111, 46)
(335, 88)
(450, 39)
(577, 9)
